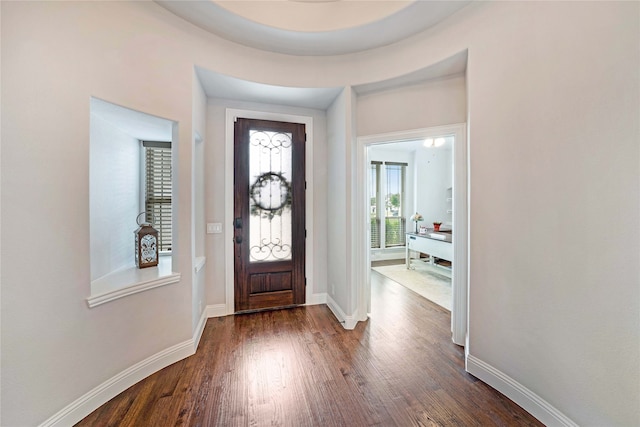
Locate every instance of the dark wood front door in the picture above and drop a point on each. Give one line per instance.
(269, 216)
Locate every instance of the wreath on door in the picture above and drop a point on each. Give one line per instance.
(271, 194)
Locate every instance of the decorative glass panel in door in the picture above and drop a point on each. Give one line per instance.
(270, 156)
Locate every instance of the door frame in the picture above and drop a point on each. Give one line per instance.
(231, 114)
(362, 229)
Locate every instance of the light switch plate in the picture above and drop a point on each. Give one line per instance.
(214, 228)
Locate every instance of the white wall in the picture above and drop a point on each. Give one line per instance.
(428, 104)
(554, 296)
(337, 208)
(114, 196)
(55, 57)
(341, 136)
(198, 226)
(199, 134)
(552, 112)
(433, 177)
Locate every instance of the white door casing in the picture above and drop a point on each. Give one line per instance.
(362, 254)
(231, 115)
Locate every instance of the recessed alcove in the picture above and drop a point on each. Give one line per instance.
(116, 199)
(436, 93)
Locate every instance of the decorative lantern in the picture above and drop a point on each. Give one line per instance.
(146, 238)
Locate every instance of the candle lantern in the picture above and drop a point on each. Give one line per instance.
(146, 238)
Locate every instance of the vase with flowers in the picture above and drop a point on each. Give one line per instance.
(436, 226)
(416, 217)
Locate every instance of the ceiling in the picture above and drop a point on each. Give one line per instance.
(314, 27)
(411, 146)
(136, 124)
(217, 85)
(297, 27)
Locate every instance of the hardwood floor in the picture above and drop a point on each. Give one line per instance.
(299, 367)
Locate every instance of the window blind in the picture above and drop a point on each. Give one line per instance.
(395, 225)
(158, 190)
(374, 204)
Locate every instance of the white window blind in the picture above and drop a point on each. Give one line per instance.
(388, 222)
(374, 204)
(158, 190)
(395, 225)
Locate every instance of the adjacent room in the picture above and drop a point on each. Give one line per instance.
(411, 201)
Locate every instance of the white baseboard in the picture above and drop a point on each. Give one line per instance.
(216, 310)
(388, 254)
(348, 322)
(197, 334)
(92, 400)
(83, 406)
(316, 299)
(528, 400)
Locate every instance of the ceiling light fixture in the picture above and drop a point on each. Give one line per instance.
(430, 142)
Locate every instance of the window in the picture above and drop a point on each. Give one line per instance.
(394, 220)
(158, 191)
(387, 179)
(374, 197)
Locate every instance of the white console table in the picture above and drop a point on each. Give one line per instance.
(434, 243)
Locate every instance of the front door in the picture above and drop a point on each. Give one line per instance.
(269, 214)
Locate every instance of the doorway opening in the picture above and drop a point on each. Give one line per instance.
(444, 250)
(411, 193)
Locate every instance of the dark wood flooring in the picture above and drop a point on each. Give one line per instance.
(300, 367)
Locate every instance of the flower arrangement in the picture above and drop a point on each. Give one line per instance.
(436, 225)
(416, 217)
